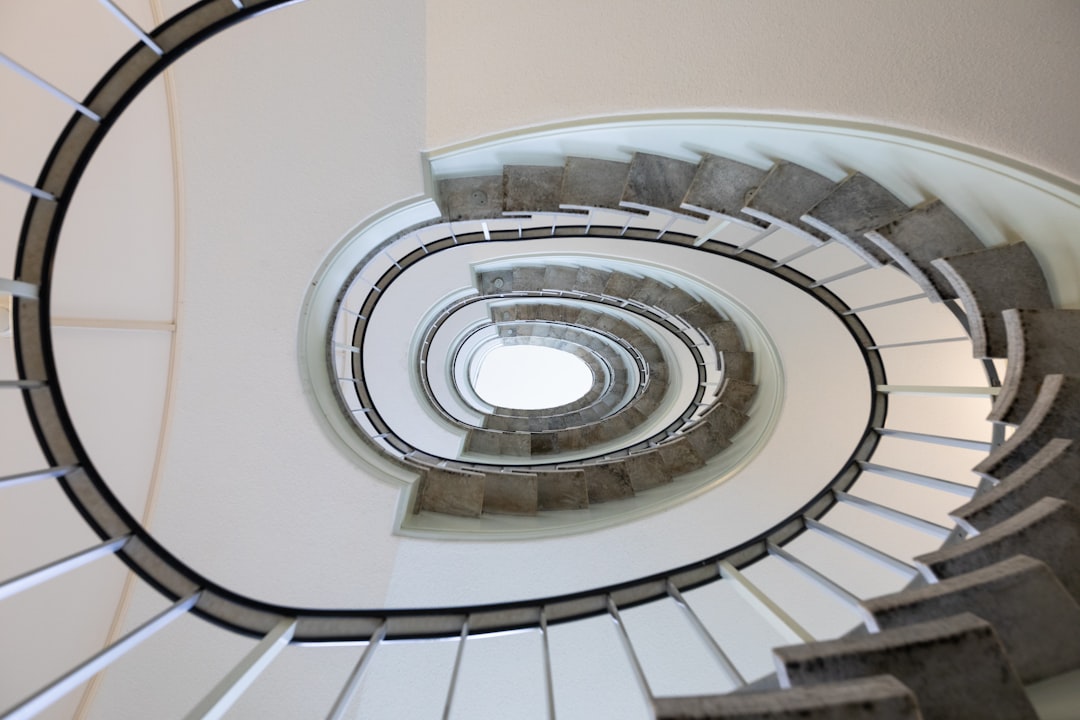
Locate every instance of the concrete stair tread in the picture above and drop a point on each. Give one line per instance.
(658, 182)
(855, 206)
(721, 187)
(786, 194)
(593, 183)
(977, 279)
(956, 666)
(1041, 342)
(928, 232)
(471, 198)
(1036, 619)
(531, 188)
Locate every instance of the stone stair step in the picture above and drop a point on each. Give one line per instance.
(977, 278)
(560, 277)
(724, 336)
(854, 207)
(1041, 342)
(531, 188)
(658, 182)
(592, 183)
(737, 394)
(738, 365)
(451, 493)
(607, 481)
(721, 187)
(563, 490)
(1053, 471)
(679, 456)
(701, 315)
(591, 280)
(651, 292)
(622, 285)
(1036, 619)
(471, 198)
(928, 232)
(1049, 531)
(527, 278)
(786, 194)
(956, 667)
(510, 494)
(647, 470)
(879, 697)
(1054, 414)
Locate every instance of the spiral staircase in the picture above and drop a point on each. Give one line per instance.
(933, 609)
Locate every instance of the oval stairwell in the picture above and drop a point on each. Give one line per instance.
(994, 608)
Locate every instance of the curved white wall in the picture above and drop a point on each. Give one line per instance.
(996, 75)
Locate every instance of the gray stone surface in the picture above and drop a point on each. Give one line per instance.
(647, 470)
(451, 493)
(724, 335)
(680, 457)
(1054, 471)
(591, 281)
(560, 277)
(561, 490)
(1041, 343)
(658, 182)
(857, 205)
(651, 291)
(737, 394)
(990, 281)
(482, 442)
(471, 198)
(515, 444)
(493, 282)
(531, 188)
(1049, 531)
(956, 667)
(527, 278)
(621, 285)
(590, 183)
(607, 482)
(701, 315)
(509, 494)
(738, 365)
(880, 697)
(930, 231)
(786, 194)
(1054, 414)
(721, 187)
(1036, 619)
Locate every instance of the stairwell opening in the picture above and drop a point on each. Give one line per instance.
(530, 377)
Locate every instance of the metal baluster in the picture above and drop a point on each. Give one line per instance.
(841, 275)
(49, 88)
(457, 666)
(725, 661)
(21, 478)
(979, 445)
(964, 491)
(549, 684)
(867, 550)
(48, 572)
(36, 192)
(65, 684)
(945, 390)
(885, 303)
(18, 288)
(914, 343)
(639, 673)
(757, 238)
(351, 685)
(132, 26)
(834, 588)
(764, 602)
(240, 678)
(931, 528)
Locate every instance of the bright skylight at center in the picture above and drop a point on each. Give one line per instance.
(531, 377)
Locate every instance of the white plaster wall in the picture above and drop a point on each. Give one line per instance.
(995, 74)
